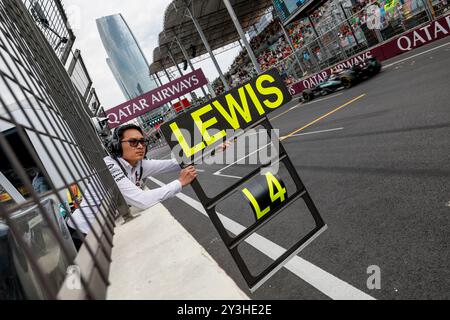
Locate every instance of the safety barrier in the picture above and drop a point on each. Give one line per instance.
(402, 43)
(48, 145)
(326, 45)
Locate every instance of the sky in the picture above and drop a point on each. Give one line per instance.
(145, 19)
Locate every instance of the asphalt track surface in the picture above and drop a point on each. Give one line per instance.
(376, 161)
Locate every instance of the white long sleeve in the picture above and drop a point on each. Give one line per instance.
(152, 167)
(134, 196)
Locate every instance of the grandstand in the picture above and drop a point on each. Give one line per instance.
(323, 33)
(315, 35)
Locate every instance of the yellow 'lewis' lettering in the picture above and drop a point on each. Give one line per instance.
(269, 91)
(233, 105)
(204, 125)
(255, 99)
(188, 151)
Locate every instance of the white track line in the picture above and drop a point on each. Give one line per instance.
(323, 281)
(220, 174)
(304, 105)
(416, 55)
(314, 132)
(318, 100)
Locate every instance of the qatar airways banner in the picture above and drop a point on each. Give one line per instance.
(156, 98)
(405, 42)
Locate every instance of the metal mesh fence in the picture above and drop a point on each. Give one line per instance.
(48, 146)
(346, 32)
(52, 21)
(440, 7)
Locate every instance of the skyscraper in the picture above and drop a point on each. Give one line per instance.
(125, 58)
(119, 81)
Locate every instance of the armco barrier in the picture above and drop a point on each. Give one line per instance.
(405, 42)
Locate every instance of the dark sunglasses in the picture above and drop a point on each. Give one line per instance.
(134, 142)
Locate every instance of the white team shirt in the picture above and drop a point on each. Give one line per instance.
(134, 195)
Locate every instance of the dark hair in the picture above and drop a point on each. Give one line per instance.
(115, 145)
(121, 130)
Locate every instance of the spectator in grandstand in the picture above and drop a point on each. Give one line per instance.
(306, 57)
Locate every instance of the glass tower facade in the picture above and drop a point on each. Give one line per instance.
(119, 81)
(126, 59)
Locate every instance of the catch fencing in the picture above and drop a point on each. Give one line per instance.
(49, 154)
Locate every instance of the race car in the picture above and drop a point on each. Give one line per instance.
(345, 78)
